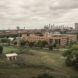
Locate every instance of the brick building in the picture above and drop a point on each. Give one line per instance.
(60, 39)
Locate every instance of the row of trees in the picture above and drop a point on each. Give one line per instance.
(4, 40)
(40, 44)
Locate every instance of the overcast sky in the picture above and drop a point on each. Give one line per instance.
(37, 13)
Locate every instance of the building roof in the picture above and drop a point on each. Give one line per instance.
(11, 55)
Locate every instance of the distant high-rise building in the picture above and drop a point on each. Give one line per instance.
(18, 28)
(76, 26)
(24, 27)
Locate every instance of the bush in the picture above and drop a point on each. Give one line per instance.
(50, 47)
(15, 42)
(23, 43)
(5, 40)
(31, 44)
(41, 44)
(45, 76)
(72, 56)
(1, 49)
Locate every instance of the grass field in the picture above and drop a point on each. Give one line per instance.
(8, 49)
(39, 61)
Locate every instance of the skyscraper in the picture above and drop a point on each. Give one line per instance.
(76, 26)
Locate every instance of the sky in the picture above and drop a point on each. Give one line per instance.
(37, 13)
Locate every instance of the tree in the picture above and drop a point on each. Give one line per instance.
(15, 42)
(50, 47)
(31, 44)
(38, 44)
(5, 40)
(44, 43)
(41, 44)
(1, 49)
(72, 56)
(23, 43)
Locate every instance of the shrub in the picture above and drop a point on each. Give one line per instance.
(72, 56)
(5, 40)
(45, 76)
(1, 49)
(31, 44)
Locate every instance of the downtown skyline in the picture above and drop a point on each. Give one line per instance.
(37, 13)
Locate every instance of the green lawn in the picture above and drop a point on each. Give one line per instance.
(8, 49)
(39, 61)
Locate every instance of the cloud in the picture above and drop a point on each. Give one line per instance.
(19, 12)
(65, 4)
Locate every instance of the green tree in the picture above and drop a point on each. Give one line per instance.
(31, 44)
(44, 43)
(23, 42)
(50, 46)
(5, 40)
(15, 42)
(1, 49)
(41, 44)
(72, 56)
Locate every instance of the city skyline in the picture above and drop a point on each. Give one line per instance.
(37, 13)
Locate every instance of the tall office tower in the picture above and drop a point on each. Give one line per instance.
(76, 26)
(18, 28)
(24, 28)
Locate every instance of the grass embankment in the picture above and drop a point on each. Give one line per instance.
(39, 61)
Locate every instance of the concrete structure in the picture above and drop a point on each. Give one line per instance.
(60, 39)
(11, 56)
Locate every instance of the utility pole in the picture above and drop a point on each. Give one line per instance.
(19, 38)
